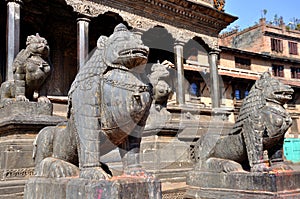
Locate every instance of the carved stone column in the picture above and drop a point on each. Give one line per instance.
(214, 78)
(13, 34)
(178, 51)
(82, 40)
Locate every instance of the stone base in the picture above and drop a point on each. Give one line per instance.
(26, 118)
(208, 185)
(27, 108)
(19, 125)
(78, 188)
(12, 189)
(164, 155)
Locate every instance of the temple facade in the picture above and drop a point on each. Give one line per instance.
(174, 31)
(211, 71)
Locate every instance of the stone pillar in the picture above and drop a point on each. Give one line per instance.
(82, 40)
(180, 94)
(13, 34)
(214, 78)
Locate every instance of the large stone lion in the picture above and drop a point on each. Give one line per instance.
(108, 107)
(31, 71)
(256, 140)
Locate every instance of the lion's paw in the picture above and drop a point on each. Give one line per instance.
(94, 173)
(232, 166)
(22, 98)
(44, 99)
(261, 167)
(7, 101)
(223, 165)
(56, 168)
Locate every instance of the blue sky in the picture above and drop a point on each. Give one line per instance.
(249, 11)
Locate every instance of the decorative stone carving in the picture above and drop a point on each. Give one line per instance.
(31, 70)
(259, 129)
(108, 108)
(162, 89)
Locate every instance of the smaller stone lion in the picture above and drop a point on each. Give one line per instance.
(162, 90)
(159, 78)
(256, 141)
(31, 70)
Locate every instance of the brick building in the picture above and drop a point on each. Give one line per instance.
(262, 47)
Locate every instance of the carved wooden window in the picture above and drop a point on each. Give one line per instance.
(293, 49)
(242, 63)
(295, 72)
(277, 70)
(276, 45)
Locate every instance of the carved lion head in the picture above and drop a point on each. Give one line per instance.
(37, 45)
(273, 90)
(123, 48)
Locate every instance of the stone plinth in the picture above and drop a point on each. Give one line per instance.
(208, 185)
(26, 118)
(164, 155)
(20, 122)
(77, 188)
(18, 128)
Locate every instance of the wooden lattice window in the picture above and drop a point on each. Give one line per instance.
(295, 72)
(242, 63)
(276, 45)
(277, 70)
(293, 49)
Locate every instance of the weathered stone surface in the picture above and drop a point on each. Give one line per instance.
(256, 140)
(211, 185)
(26, 117)
(19, 126)
(26, 108)
(13, 189)
(122, 187)
(161, 81)
(162, 154)
(31, 72)
(109, 103)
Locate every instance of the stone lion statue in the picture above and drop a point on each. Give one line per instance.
(162, 90)
(31, 71)
(108, 107)
(256, 140)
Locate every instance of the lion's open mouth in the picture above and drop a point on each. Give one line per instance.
(284, 94)
(135, 52)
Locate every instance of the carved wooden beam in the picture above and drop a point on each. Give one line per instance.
(140, 23)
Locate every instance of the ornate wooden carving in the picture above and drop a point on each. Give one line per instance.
(197, 22)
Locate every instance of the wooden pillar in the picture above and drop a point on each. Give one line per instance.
(12, 34)
(180, 94)
(82, 40)
(214, 78)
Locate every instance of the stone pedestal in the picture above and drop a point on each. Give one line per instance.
(19, 126)
(164, 155)
(167, 148)
(77, 188)
(208, 185)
